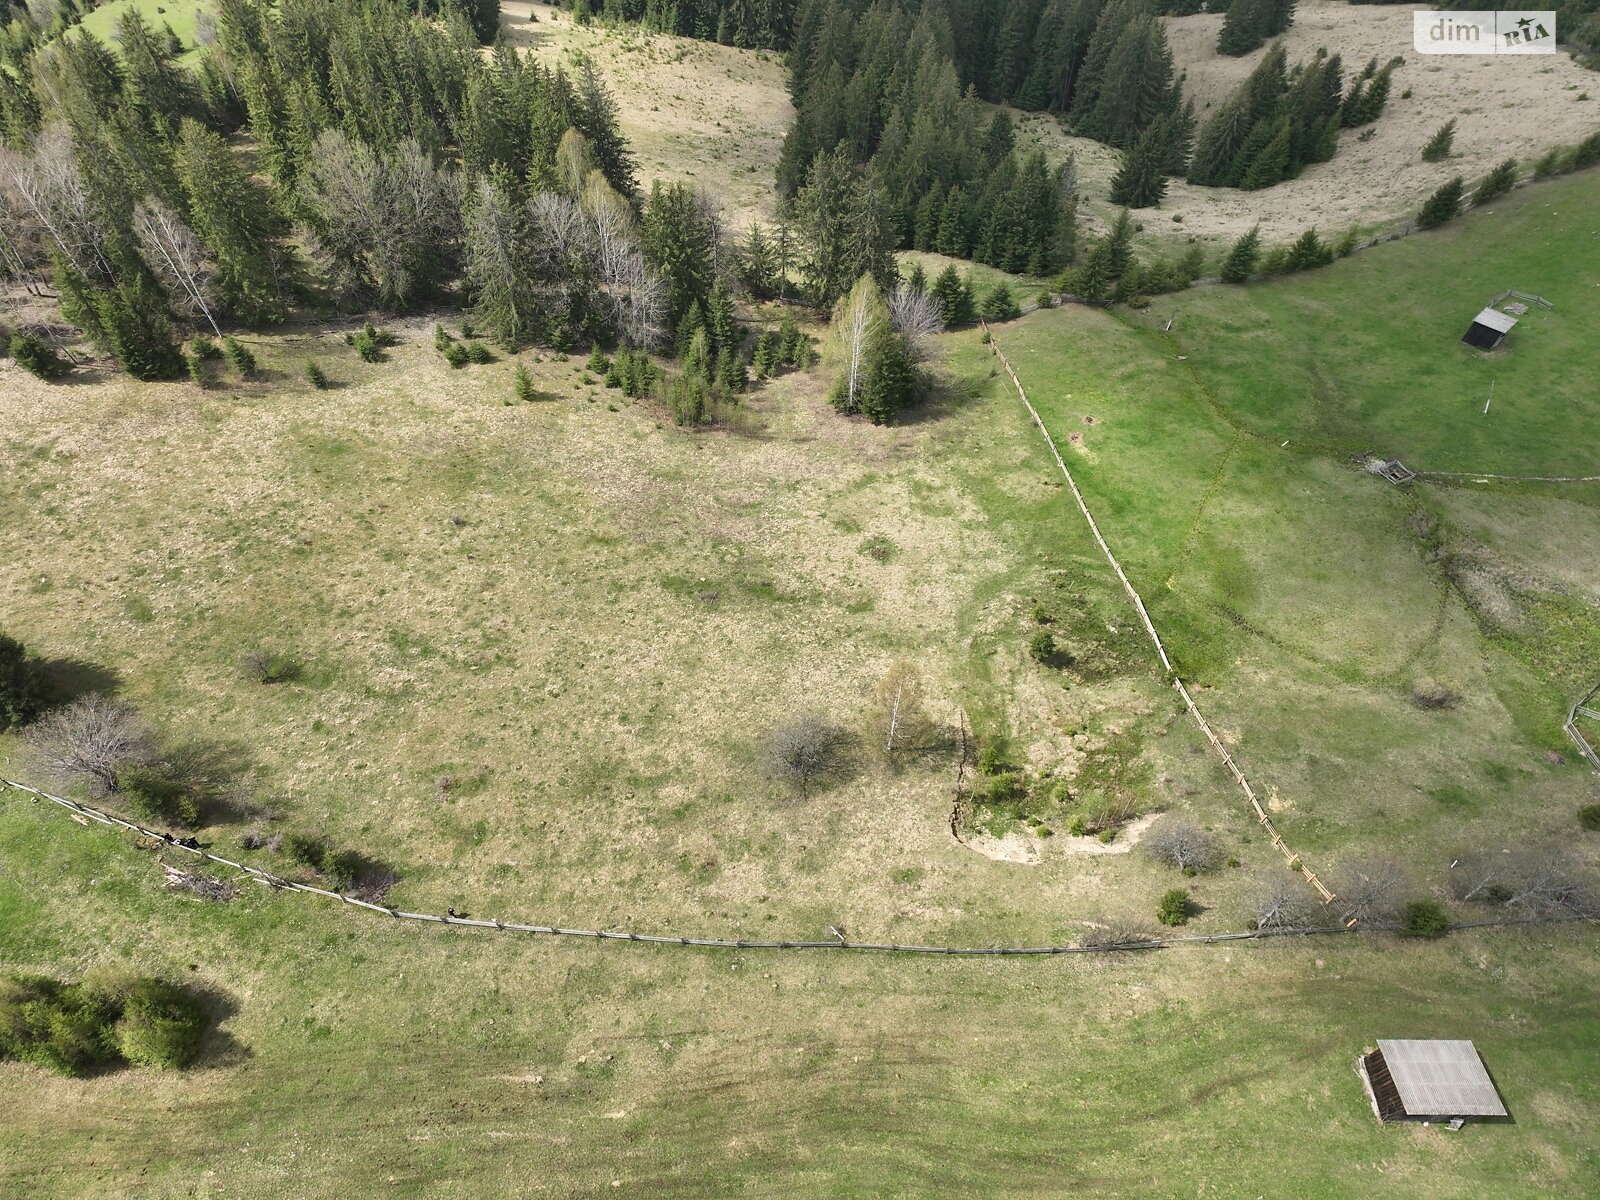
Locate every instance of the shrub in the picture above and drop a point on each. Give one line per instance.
(1078, 826)
(1424, 918)
(269, 666)
(369, 341)
(204, 348)
(37, 358)
(1007, 787)
(1585, 154)
(158, 792)
(196, 366)
(239, 357)
(994, 756)
(1589, 817)
(456, 355)
(162, 1026)
(306, 850)
(1347, 244)
(1548, 164)
(22, 684)
(1042, 646)
(525, 390)
(598, 362)
(74, 1029)
(1174, 907)
(442, 339)
(342, 869)
(478, 353)
(315, 375)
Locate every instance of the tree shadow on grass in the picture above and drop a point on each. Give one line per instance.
(67, 679)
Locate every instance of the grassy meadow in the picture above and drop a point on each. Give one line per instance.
(540, 647)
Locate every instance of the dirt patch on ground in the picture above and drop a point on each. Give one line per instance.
(1505, 106)
(1127, 838)
(1012, 848)
(693, 111)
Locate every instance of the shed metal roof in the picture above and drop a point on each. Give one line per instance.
(1441, 1079)
(1495, 320)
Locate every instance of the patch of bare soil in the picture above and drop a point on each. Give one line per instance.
(1505, 106)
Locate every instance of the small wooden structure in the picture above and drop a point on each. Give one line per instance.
(1429, 1080)
(1488, 328)
(1392, 469)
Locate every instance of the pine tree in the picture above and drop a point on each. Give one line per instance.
(1309, 251)
(138, 332)
(678, 240)
(1241, 261)
(720, 321)
(692, 325)
(1496, 183)
(1119, 245)
(1141, 182)
(1271, 164)
(1244, 26)
(758, 264)
(1444, 205)
(891, 383)
(1438, 147)
(498, 245)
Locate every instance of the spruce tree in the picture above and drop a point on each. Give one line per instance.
(1241, 261)
(1438, 147)
(1444, 205)
(1271, 165)
(1309, 251)
(1142, 182)
(1496, 183)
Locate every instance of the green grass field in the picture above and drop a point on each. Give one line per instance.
(541, 645)
(181, 15)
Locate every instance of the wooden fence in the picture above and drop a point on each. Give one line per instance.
(1289, 855)
(1586, 707)
(86, 813)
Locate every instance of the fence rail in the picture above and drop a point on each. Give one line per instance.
(1289, 855)
(1583, 709)
(88, 813)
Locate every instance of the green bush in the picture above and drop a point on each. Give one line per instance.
(1078, 826)
(315, 375)
(1589, 817)
(305, 850)
(1424, 918)
(1443, 206)
(158, 792)
(342, 869)
(239, 357)
(456, 355)
(204, 348)
(75, 1029)
(598, 362)
(196, 366)
(442, 340)
(478, 353)
(161, 1026)
(1006, 787)
(994, 756)
(1174, 907)
(1042, 646)
(37, 358)
(22, 684)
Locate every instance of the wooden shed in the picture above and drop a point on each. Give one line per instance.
(1429, 1081)
(1488, 328)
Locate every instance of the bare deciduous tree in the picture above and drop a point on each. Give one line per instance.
(1115, 931)
(1181, 843)
(90, 740)
(807, 751)
(1371, 889)
(47, 185)
(171, 249)
(1283, 901)
(918, 314)
(1532, 882)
